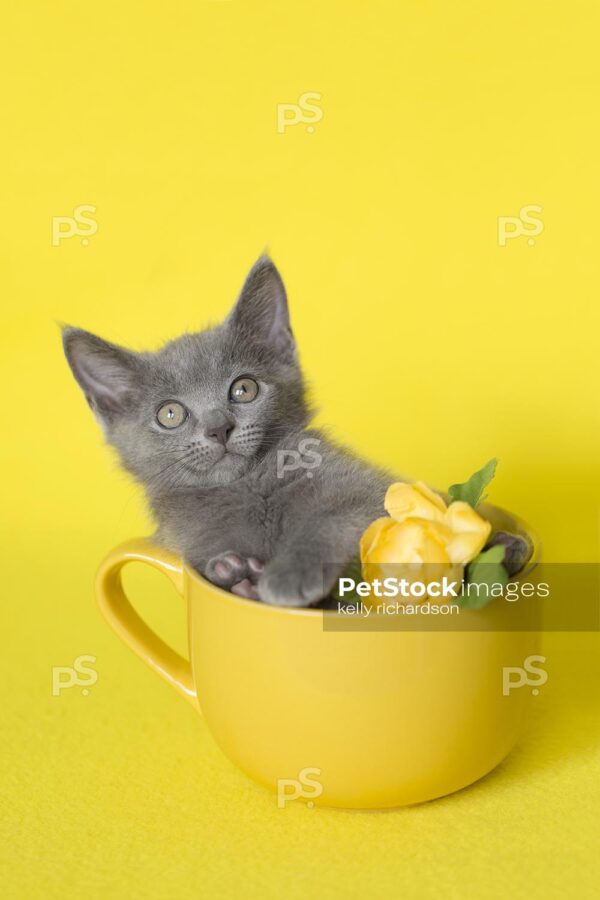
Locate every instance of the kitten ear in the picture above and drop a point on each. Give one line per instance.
(261, 313)
(105, 372)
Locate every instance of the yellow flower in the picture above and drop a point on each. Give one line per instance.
(422, 539)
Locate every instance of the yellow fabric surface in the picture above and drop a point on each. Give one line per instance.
(431, 348)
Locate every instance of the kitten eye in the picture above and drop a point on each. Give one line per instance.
(243, 390)
(171, 414)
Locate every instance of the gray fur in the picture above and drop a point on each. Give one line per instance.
(226, 510)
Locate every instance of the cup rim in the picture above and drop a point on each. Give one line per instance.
(490, 511)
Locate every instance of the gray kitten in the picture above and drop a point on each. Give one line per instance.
(214, 426)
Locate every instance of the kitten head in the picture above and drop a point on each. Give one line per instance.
(203, 409)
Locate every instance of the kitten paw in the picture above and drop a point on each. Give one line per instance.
(245, 589)
(291, 587)
(230, 570)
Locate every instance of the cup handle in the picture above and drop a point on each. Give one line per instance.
(131, 628)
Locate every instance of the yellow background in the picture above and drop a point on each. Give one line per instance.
(430, 347)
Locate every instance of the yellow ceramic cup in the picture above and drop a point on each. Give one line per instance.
(361, 719)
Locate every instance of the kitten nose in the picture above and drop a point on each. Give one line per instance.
(220, 433)
(219, 428)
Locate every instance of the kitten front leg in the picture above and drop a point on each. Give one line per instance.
(299, 582)
(305, 568)
(235, 573)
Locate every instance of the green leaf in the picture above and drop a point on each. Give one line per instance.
(471, 491)
(485, 570)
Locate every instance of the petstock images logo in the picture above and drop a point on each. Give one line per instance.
(550, 597)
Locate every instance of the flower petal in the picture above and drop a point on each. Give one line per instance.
(469, 532)
(372, 538)
(404, 501)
